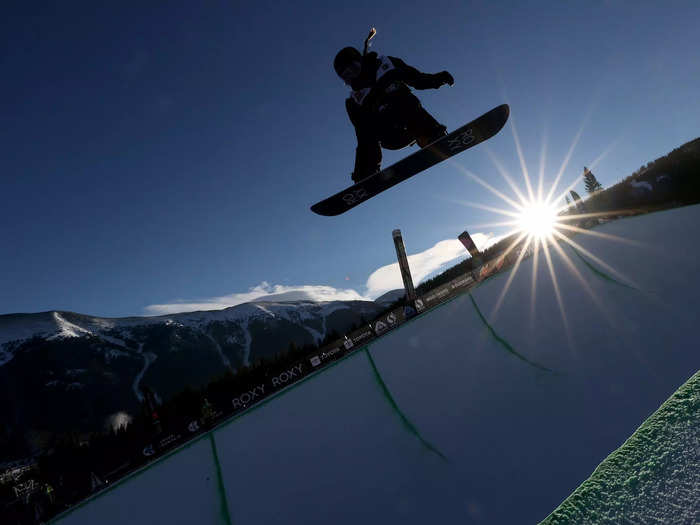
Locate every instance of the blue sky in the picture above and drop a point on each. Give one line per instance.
(164, 158)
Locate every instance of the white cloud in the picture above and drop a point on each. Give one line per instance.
(431, 261)
(262, 292)
(387, 278)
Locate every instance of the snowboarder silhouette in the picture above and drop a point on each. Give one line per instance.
(381, 106)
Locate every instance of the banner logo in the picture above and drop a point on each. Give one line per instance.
(244, 399)
(330, 353)
(286, 377)
(362, 336)
(355, 196)
(379, 327)
(461, 141)
(461, 282)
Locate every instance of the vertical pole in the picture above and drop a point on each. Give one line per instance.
(477, 261)
(403, 265)
(468, 243)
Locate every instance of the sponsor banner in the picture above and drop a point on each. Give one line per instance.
(289, 376)
(280, 380)
(436, 296)
(204, 422)
(390, 321)
(168, 441)
(332, 354)
(327, 355)
(408, 312)
(217, 414)
(446, 291)
(246, 398)
(491, 267)
(363, 336)
(461, 282)
(380, 327)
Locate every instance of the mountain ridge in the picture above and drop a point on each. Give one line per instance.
(63, 370)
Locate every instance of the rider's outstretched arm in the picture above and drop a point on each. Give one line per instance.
(418, 80)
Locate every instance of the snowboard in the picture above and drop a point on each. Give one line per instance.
(479, 130)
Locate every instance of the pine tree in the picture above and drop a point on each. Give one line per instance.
(592, 184)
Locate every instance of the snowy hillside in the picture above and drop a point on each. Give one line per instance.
(18, 327)
(491, 408)
(61, 370)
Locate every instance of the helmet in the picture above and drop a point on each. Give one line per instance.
(345, 57)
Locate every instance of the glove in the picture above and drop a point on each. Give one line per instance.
(445, 78)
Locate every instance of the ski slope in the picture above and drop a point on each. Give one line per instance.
(464, 414)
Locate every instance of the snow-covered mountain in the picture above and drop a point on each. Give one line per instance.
(316, 318)
(391, 297)
(63, 370)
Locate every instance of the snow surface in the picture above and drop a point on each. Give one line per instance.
(652, 478)
(472, 414)
(67, 329)
(148, 359)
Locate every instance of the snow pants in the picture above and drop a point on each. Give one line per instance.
(395, 124)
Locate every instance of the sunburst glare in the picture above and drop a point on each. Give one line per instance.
(538, 219)
(542, 221)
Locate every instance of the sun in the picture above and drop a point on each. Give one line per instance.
(541, 223)
(537, 219)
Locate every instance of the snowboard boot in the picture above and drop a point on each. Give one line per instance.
(359, 177)
(426, 139)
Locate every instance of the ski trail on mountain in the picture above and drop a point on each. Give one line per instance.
(148, 359)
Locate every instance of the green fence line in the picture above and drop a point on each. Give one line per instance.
(407, 423)
(503, 342)
(221, 487)
(601, 274)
